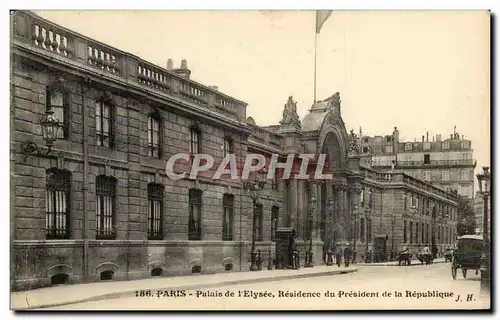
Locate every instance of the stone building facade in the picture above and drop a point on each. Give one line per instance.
(447, 162)
(100, 206)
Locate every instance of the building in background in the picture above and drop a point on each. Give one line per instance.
(446, 162)
(99, 206)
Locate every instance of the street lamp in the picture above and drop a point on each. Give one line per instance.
(484, 189)
(254, 187)
(312, 207)
(50, 127)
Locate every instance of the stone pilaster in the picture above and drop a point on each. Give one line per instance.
(300, 211)
(292, 198)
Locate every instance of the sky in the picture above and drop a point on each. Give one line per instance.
(417, 70)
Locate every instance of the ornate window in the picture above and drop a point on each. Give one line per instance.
(104, 123)
(58, 101)
(274, 221)
(155, 134)
(57, 204)
(405, 201)
(155, 211)
(257, 221)
(195, 201)
(195, 140)
(106, 211)
(228, 215)
(275, 185)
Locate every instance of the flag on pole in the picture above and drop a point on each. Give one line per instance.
(321, 17)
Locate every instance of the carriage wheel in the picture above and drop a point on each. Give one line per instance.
(464, 273)
(453, 272)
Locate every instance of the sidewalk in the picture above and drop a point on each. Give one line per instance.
(77, 293)
(414, 262)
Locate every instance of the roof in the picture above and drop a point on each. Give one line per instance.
(471, 236)
(313, 121)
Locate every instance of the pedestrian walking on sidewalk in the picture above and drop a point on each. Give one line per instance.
(338, 256)
(347, 255)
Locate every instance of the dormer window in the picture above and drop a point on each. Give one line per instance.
(408, 147)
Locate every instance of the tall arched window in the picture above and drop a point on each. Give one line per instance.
(155, 134)
(57, 99)
(106, 207)
(195, 200)
(155, 211)
(228, 216)
(104, 118)
(57, 204)
(195, 140)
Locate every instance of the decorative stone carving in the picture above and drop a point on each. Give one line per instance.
(353, 147)
(290, 115)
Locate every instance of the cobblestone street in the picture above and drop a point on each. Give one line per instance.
(357, 292)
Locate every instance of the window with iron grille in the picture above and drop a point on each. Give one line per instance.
(155, 211)
(194, 141)
(106, 211)
(274, 221)
(362, 197)
(362, 230)
(405, 240)
(195, 201)
(104, 120)
(228, 214)
(155, 135)
(257, 220)
(58, 101)
(57, 204)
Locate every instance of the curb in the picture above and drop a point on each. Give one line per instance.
(117, 295)
(414, 263)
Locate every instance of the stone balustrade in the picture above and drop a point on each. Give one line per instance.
(31, 32)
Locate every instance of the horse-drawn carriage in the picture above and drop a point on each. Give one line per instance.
(425, 256)
(404, 257)
(467, 255)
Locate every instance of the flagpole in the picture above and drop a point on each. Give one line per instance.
(315, 47)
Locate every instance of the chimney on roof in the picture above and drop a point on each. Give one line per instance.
(462, 137)
(427, 136)
(433, 139)
(216, 88)
(451, 136)
(183, 70)
(423, 139)
(170, 64)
